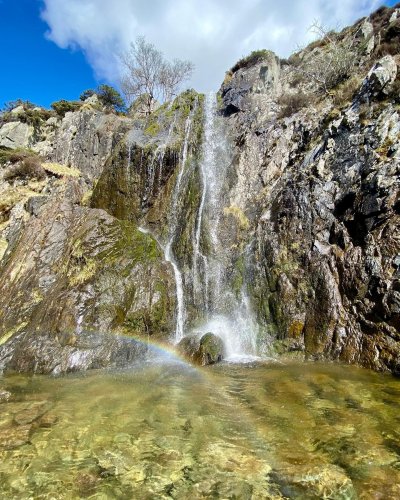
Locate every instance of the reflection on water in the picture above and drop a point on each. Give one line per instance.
(167, 430)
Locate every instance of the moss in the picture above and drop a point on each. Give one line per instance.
(3, 247)
(152, 129)
(295, 329)
(82, 273)
(237, 282)
(36, 296)
(9, 333)
(238, 214)
(384, 148)
(15, 195)
(86, 198)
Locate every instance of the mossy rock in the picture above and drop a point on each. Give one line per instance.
(207, 350)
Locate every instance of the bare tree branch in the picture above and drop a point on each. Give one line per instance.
(148, 73)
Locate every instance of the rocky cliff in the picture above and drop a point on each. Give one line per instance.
(95, 241)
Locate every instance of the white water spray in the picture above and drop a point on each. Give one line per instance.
(227, 315)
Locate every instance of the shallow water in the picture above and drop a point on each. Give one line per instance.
(167, 430)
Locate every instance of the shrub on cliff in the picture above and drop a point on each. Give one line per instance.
(332, 62)
(29, 168)
(292, 103)
(10, 105)
(110, 97)
(86, 94)
(107, 95)
(253, 58)
(61, 107)
(25, 112)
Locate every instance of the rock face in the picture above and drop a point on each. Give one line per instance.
(309, 214)
(205, 350)
(73, 274)
(320, 185)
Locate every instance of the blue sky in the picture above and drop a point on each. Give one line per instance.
(33, 67)
(55, 49)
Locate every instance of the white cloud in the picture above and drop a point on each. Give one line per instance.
(213, 34)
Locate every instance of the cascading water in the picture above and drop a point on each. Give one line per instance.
(226, 312)
(227, 315)
(172, 231)
(173, 226)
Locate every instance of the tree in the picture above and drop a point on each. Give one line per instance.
(148, 73)
(334, 64)
(107, 95)
(110, 97)
(86, 94)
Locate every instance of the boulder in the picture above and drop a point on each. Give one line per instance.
(205, 350)
(381, 76)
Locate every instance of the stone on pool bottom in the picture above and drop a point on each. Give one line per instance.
(228, 431)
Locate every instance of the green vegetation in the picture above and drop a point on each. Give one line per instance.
(61, 170)
(28, 113)
(86, 94)
(152, 129)
(344, 93)
(255, 57)
(10, 105)
(8, 155)
(110, 97)
(107, 95)
(62, 107)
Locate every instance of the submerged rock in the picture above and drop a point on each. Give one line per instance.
(205, 350)
(4, 395)
(325, 481)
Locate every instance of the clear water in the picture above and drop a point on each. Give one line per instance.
(166, 430)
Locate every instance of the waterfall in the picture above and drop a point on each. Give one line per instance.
(226, 310)
(228, 315)
(173, 226)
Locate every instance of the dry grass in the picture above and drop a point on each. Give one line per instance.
(28, 168)
(292, 103)
(61, 170)
(344, 93)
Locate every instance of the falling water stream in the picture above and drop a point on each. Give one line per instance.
(226, 315)
(172, 230)
(162, 428)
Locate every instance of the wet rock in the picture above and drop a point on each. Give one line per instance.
(205, 350)
(44, 354)
(48, 420)
(211, 349)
